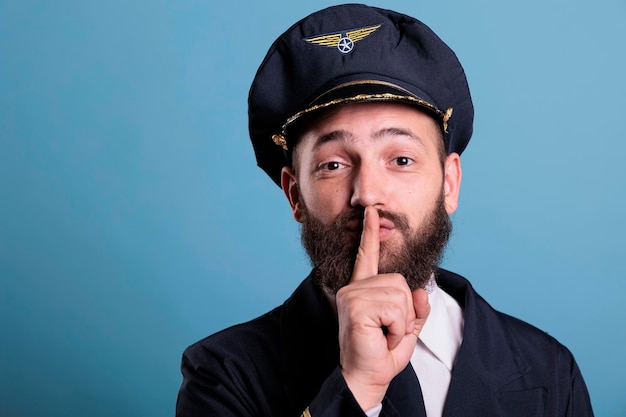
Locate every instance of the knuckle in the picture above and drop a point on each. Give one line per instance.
(390, 310)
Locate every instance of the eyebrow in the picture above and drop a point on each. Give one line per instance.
(339, 135)
(335, 135)
(397, 131)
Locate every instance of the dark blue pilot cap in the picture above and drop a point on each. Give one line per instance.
(348, 54)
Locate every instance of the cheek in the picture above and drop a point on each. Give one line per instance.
(418, 201)
(326, 203)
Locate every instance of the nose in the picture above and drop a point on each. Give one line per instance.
(369, 186)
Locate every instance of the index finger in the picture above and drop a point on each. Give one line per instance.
(366, 264)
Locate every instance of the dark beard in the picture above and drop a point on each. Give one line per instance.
(332, 249)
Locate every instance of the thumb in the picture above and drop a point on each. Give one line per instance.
(422, 309)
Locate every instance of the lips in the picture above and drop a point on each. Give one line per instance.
(354, 225)
(386, 226)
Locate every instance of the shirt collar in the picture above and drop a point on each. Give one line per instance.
(443, 331)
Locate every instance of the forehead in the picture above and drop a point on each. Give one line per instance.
(359, 121)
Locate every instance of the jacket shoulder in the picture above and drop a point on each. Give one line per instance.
(234, 371)
(241, 340)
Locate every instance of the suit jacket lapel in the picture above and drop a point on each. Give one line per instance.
(309, 344)
(488, 358)
(405, 394)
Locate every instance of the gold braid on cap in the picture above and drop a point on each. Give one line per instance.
(280, 141)
(447, 115)
(281, 138)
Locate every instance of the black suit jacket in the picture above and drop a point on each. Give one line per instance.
(287, 360)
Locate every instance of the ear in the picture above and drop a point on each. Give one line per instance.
(452, 182)
(289, 183)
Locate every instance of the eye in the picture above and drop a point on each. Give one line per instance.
(331, 166)
(403, 161)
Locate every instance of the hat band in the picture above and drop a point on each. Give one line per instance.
(281, 139)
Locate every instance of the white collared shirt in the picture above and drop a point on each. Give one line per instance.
(437, 348)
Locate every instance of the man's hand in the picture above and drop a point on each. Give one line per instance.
(379, 321)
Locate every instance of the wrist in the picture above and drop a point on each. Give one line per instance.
(368, 396)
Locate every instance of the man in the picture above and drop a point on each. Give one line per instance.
(360, 115)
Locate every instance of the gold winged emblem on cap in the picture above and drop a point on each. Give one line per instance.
(344, 41)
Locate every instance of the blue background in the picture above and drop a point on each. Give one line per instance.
(133, 220)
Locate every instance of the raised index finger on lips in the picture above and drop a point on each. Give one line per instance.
(366, 264)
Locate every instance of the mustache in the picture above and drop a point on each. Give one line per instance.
(400, 221)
